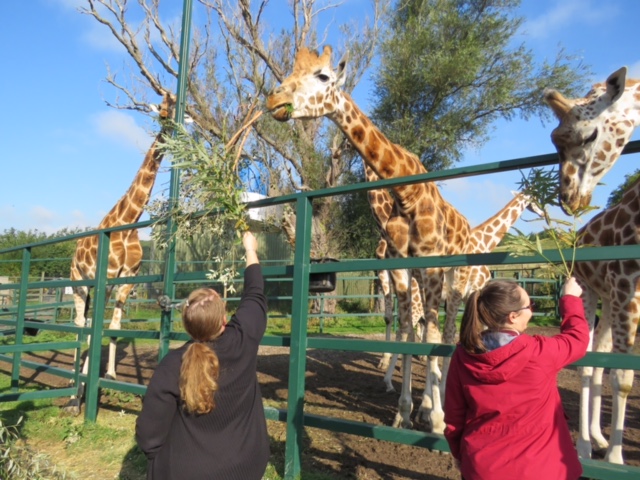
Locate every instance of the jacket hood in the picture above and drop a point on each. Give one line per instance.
(501, 364)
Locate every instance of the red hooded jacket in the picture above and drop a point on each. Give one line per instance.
(503, 411)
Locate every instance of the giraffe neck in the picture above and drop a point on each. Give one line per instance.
(486, 236)
(386, 159)
(130, 207)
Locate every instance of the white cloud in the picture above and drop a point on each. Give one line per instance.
(122, 128)
(569, 13)
(100, 37)
(42, 214)
(68, 4)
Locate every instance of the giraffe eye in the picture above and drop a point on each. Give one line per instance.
(323, 78)
(591, 138)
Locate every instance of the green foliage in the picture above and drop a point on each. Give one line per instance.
(18, 462)
(54, 260)
(616, 195)
(563, 234)
(449, 68)
(210, 211)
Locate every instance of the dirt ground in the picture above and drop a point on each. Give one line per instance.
(348, 385)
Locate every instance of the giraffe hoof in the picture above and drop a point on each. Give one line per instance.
(73, 407)
(110, 376)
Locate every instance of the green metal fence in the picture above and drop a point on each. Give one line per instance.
(298, 342)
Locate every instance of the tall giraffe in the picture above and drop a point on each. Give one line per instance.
(589, 139)
(484, 238)
(125, 251)
(383, 208)
(434, 226)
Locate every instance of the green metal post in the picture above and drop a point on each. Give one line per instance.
(298, 349)
(97, 322)
(56, 311)
(322, 313)
(22, 307)
(174, 181)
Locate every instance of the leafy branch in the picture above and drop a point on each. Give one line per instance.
(210, 205)
(542, 185)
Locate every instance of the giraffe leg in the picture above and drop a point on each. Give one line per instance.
(601, 343)
(384, 277)
(621, 384)
(583, 444)
(621, 380)
(430, 411)
(405, 333)
(390, 369)
(81, 303)
(121, 298)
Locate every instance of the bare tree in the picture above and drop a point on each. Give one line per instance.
(236, 57)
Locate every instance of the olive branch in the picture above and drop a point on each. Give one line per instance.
(210, 213)
(542, 185)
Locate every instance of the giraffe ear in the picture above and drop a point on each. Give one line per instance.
(342, 69)
(616, 83)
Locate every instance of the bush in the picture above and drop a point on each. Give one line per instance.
(19, 462)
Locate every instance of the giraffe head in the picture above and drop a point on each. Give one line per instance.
(165, 110)
(310, 90)
(590, 137)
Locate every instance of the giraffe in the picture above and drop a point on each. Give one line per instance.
(125, 252)
(484, 238)
(589, 139)
(434, 227)
(383, 208)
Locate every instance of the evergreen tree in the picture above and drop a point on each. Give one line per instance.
(449, 68)
(616, 195)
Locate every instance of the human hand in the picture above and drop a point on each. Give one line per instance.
(249, 241)
(571, 287)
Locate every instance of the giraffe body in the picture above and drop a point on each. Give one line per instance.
(590, 137)
(427, 226)
(125, 250)
(424, 224)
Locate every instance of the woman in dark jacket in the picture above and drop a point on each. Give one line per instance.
(503, 412)
(202, 416)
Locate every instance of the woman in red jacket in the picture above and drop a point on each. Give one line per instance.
(502, 408)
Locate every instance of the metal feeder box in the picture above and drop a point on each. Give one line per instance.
(31, 331)
(322, 282)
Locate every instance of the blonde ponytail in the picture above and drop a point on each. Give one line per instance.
(199, 378)
(203, 317)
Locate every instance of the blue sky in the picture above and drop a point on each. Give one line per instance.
(68, 157)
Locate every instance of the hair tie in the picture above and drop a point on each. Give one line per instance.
(206, 299)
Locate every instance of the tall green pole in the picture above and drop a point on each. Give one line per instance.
(298, 348)
(22, 308)
(174, 181)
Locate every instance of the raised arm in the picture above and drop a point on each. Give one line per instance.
(250, 247)
(571, 344)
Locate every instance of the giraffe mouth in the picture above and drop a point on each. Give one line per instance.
(283, 112)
